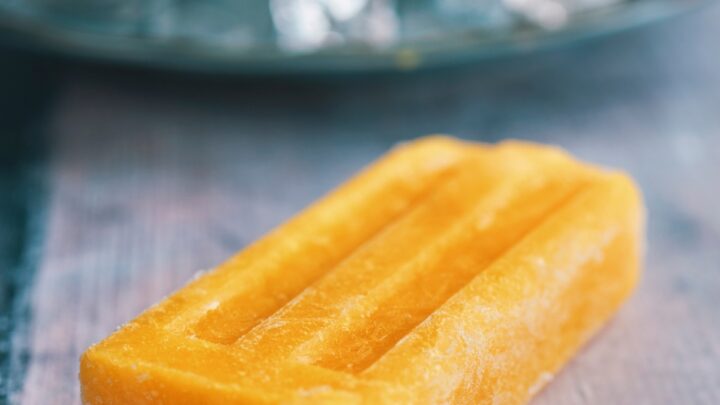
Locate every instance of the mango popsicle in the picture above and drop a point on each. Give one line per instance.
(446, 272)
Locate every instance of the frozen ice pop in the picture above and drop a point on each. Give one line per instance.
(446, 272)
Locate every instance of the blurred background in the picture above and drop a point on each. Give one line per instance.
(142, 141)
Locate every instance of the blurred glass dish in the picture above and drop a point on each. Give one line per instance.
(266, 36)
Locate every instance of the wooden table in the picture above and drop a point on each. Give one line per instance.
(147, 179)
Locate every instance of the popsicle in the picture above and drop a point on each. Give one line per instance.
(446, 272)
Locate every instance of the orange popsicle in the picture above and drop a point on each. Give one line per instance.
(447, 272)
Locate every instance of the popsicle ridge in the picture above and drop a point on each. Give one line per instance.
(383, 193)
(494, 220)
(447, 272)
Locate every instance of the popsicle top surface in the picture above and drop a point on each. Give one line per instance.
(446, 272)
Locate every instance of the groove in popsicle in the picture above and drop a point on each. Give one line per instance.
(238, 314)
(269, 310)
(320, 321)
(403, 301)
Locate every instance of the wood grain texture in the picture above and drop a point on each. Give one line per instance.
(154, 179)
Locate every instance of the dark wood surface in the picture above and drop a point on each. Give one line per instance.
(153, 178)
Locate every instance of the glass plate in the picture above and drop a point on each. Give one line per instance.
(234, 37)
